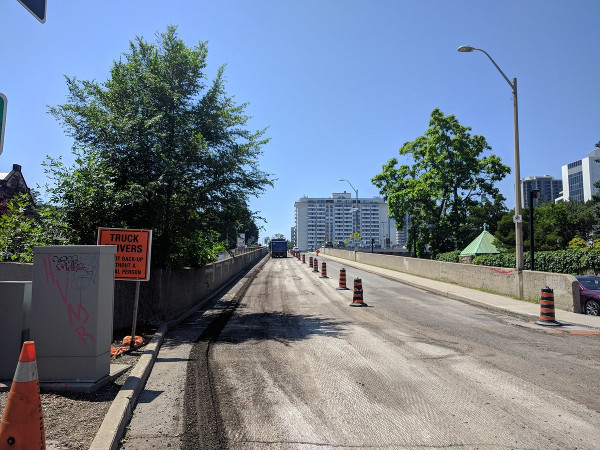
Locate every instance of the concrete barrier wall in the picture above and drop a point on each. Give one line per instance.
(15, 306)
(16, 271)
(169, 293)
(496, 279)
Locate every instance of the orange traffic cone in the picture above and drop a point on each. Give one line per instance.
(324, 270)
(342, 283)
(357, 298)
(22, 425)
(547, 316)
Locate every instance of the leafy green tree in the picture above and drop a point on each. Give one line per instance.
(488, 211)
(555, 225)
(22, 226)
(505, 231)
(240, 221)
(157, 146)
(448, 178)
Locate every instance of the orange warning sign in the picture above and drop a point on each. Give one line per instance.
(132, 260)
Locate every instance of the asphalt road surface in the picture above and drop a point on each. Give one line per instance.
(289, 364)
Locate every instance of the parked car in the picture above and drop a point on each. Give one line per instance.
(589, 294)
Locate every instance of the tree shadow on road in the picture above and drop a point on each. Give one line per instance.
(278, 326)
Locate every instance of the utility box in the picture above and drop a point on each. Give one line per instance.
(15, 304)
(72, 312)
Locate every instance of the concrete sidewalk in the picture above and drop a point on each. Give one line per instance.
(157, 420)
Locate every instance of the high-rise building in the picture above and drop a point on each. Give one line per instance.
(339, 218)
(550, 189)
(293, 235)
(402, 234)
(579, 177)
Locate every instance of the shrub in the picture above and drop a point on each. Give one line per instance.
(573, 262)
(448, 256)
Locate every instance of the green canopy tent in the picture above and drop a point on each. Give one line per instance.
(481, 245)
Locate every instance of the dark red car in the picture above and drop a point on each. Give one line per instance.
(589, 294)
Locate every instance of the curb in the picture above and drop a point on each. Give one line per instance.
(119, 414)
(121, 409)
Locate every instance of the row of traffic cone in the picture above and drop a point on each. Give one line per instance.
(357, 298)
(547, 315)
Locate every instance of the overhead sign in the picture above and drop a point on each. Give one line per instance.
(35, 7)
(3, 102)
(132, 260)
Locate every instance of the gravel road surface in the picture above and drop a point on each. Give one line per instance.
(289, 364)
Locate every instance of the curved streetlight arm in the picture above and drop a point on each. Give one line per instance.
(499, 69)
(355, 190)
(468, 49)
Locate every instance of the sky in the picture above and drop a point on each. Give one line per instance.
(340, 85)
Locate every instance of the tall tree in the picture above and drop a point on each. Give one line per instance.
(158, 147)
(24, 225)
(554, 226)
(488, 211)
(448, 177)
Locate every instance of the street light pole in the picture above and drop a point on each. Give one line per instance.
(518, 216)
(356, 207)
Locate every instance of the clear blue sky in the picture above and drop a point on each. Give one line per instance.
(341, 84)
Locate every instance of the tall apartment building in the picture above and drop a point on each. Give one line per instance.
(402, 234)
(550, 189)
(337, 219)
(578, 178)
(293, 235)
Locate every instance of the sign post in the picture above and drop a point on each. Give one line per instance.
(132, 260)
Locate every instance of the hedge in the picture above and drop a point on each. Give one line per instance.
(448, 256)
(574, 262)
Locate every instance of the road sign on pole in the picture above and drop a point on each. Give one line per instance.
(132, 260)
(35, 7)
(2, 119)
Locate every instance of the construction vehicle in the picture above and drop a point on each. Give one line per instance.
(278, 248)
